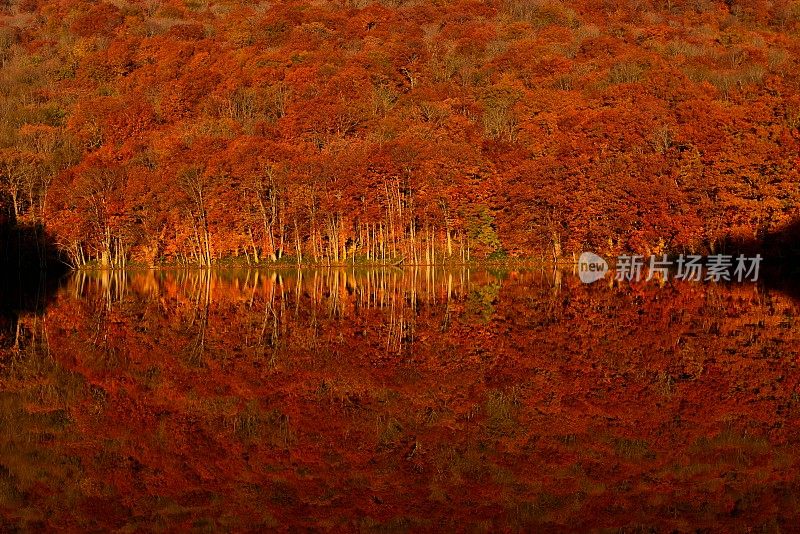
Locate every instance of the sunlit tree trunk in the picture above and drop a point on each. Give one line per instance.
(193, 183)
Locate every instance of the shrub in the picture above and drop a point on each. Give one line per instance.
(727, 81)
(248, 104)
(625, 72)
(499, 122)
(482, 231)
(541, 13)
(498, 118)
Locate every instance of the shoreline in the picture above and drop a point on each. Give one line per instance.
(283, 266)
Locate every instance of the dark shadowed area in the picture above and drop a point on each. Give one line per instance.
(29, 275)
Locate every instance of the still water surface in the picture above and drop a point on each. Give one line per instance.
(400, 400)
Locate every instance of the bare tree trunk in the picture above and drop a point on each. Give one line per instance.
(298, 245)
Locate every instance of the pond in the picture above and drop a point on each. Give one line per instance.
(400, 399)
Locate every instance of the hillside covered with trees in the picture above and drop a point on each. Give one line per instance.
(196, 131)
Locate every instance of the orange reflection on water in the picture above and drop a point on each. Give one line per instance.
(399, 399)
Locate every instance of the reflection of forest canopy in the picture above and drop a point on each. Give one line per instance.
(339, 395)
(397, 131)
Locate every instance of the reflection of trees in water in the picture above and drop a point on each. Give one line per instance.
(282, 298)
(26, 334)
(289, 300)
(101, 292)
(314, 384)
(277, 303)
(199, 293)
(108, 285)
(272, 312)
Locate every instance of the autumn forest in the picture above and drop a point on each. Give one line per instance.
(273, 266)
(198, 132)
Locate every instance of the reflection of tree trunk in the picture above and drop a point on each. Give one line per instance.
(557, 278)
(202, 291)
(30, 334)
(267, 342)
